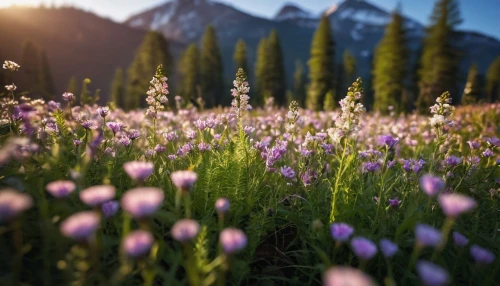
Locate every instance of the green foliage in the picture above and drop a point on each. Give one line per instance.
(85, 94)
(390, 67)
(321, 65)
(117, 96)
(348, 69)
(299, 84)
(261, 72)
(154, 50)
(276, 70)
(240, 57)
(439, 62)
(189, 73)
(493, 81)
(72, 86)
(472, 91)
(329, 103)
(212, 83)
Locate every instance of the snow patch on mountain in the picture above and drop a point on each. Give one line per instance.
(371, 17)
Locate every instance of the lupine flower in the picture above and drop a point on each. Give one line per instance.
(97, 195)
(13, 203)
(184, 180)
(427, 235)
(341, 231)
(157, 93)
(185, 230)
(287, 172)
(222, 205)
(240, 94)
(455, 204)
(60, 189)
(431, 274)
(388, 248)
(459, 239)
(394, 203)
(481, 255)
(138, 170)
(364, 248)
(431, 185)
(138, 243)
(142, 202)
(80, 226)
(346, 276)
(232, 240)
(110, 208)
(11, 66)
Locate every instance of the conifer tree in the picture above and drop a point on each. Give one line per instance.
(276, 69)
(321, 65)
(153, 51)
(493, 81)
(439, 56)
(261, 73)
(390, 67)
(472, 90)
(190, 74)
(348, 70)
(30, 62)
(118, 89)
(72, 86)
(329, 103)
(240, 56)
(299, 84)
(45, 83)
(212, 83)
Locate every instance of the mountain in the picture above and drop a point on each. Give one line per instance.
(77, 43)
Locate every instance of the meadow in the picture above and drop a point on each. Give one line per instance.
(247, 195)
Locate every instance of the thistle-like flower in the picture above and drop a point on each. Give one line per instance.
(347, 124)
(240, 94)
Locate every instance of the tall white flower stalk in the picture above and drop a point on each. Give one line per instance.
(441, 120)
(157, 97)
(240, 94)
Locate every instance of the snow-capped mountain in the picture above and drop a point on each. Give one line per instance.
(291, 11)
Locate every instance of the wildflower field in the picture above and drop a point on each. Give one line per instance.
(170, 195)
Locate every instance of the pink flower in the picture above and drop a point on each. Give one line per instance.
(13, 203)
(455, 204)
(80, 226)
(138, 170)
(184, 180)
(97, 195)
(232, 240)
(222, 205)
(60, 189)
(346, 276)
(138, 243)
(431, 185)
(185, 230)
(142, 202)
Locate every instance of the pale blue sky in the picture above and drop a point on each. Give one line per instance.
(479, 15)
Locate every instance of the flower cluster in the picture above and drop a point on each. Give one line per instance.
(157, 93)
(442, 112)
(240, 94)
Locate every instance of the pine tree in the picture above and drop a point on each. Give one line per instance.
(299, 84)
(329, 103)
(261, 73)
(390, 67)
(439, 56)
(190, 74)
(30, 63)
(276, 69)
(321, 65)
(118, 89)
(240, 56)
(154, 50)
(493, 81)
(212, 82)
(45, 83)
(348, 70)
(72, 86)
(472, 90)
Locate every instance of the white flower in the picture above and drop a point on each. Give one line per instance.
(11, 66)
(11, 87)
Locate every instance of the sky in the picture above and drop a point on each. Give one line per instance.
(478, 15)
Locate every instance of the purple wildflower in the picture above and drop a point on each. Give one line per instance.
(387, 140)
(138, 170)
(452, 160)
(431, 185)
(309, 177)
(493, 141)
(346, 276)
(222, 205)
(133, 134)
(68, 96)
(388, 248)
(481, 255)
(80, 226)
(184, 180)
(97, 195)
(160, 148)
(341, 231)
(60, 189)
(455, 204)
(287, 172)
(185, 230)
(232, 240)
(103, 111)
(473, 144)
(138, 243)
(371, 166)
(459, 239)
(427, 235)
(114, 126)
(204, 147)
(142, 202)
(431, 274)
(13, 203)
(364, 248)
(394, 203)
(488, 153)
(77, 142)
(110, 208)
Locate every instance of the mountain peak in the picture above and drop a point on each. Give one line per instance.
(291, 11)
